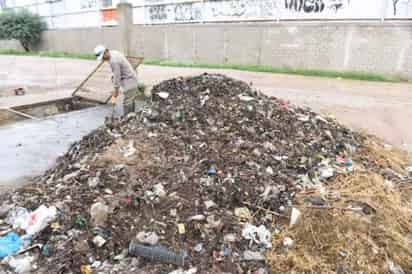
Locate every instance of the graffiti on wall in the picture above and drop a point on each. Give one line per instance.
(229, 8)
(395, 3)
(243, 8)
(157, 13)
(305, 5)
(212, 10)
(336, 5)
(180, 12)
(170, 11)
(400, 4)
(237, 9)
(88, 4)
(309, 6)
(187, 12)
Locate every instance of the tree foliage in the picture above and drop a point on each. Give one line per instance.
(22, 26)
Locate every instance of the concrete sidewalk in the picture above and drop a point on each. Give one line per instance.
(382, 109)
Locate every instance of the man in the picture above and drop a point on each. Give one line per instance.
(124, 79)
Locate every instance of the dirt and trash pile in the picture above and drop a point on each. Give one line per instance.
(204, 179)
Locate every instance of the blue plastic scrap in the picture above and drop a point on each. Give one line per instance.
(9, 244)
(211, 171)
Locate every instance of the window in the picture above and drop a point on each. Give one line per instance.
(88, 4)
(107, 3)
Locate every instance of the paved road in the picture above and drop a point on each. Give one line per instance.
(383, 109)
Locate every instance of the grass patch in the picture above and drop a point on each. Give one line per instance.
(354, 75)
(339, 241)
(327, 240)
(52, 54)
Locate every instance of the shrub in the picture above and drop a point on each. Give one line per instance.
(22, 26)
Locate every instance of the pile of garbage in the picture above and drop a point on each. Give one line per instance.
(192, 183)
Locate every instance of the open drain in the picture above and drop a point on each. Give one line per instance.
(42, 110)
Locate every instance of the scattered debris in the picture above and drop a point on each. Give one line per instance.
(163, 95)
(149, 238)
(288, 242)
(159, 190)
(231, 238)
(326, 172)
(246, 98)
(99, 241)
(294, 216)
(17, 217)
(242, 212)
(198, 248)
(9, 244)
(181, 271)
(394, 268)
(208, 154)
(32, 222)
(20, 91)
(210, 204)
(21, 264)
(157, 253)
(343, 253)
(181, 228)
(249, 255)
(259, 235)
(86, 269)
(129, 150)
(99, 213)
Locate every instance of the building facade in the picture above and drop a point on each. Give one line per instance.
(60, 14)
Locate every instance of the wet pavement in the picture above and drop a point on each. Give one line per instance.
(28, 148)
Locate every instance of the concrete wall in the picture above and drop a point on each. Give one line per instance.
(10, 44)
(374, 47)
(369, 46)
(80, 40)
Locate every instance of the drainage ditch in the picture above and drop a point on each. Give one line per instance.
(43, 110)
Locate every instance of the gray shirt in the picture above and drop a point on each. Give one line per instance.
(124, 76)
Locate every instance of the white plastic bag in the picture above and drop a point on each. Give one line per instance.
(259, 235)
(21, 265)
(39, 219)
(31, 222)
(17, 217)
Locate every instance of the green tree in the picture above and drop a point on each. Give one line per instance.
(22, 26)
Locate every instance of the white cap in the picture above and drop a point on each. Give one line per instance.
(99, 51)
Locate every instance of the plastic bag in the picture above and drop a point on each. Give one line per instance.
(31, 222)
(17, 217)
(9, 244)
(259, 235)
(39, 219)
(21, 265)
